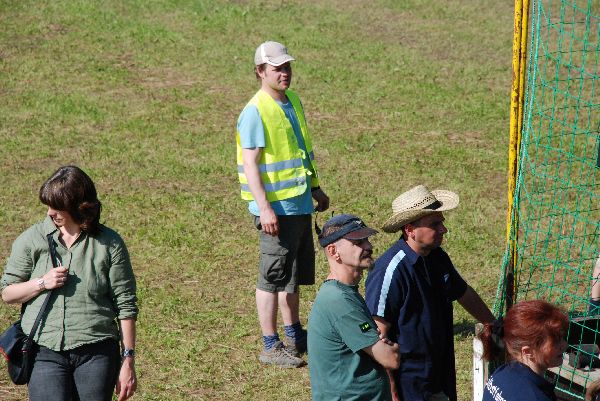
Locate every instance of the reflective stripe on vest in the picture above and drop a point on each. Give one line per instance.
(279, 185)
(281, 166)
(265, 168)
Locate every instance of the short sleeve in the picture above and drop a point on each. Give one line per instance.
(458, 286)
(20, 263)
(251, 129)
(357, 330)
(383, 292)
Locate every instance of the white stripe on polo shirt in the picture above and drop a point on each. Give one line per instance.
(387, 280)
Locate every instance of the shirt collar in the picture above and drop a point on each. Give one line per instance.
(411, 256)
(49, 226)
(340, 284)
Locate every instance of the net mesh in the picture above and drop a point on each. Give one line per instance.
(556, 212)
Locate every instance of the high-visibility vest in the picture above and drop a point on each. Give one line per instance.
(281, 169)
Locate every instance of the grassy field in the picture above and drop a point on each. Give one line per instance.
(144, 96)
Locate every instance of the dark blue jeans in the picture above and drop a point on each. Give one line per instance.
(86, 373)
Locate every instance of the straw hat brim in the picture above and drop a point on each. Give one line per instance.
(448, 199)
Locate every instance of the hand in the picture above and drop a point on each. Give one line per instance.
(269, 222)
(395, 347)
(56, 277)
(127, 382)
(386, 340)
(322, 200)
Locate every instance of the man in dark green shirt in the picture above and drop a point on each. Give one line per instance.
(347, 356)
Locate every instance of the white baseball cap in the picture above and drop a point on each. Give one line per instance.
(272, 53)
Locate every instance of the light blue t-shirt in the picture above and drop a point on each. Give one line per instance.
(252, 135)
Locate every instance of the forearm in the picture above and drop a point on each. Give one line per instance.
(393, 387)
(21, 292)
(127, 382)
(385, 353)
(382, 325)
(127, 333)
(252, 173)
(387, 356)
(473, 304)
(128, 341)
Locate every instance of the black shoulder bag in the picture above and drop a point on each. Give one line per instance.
(15, 345)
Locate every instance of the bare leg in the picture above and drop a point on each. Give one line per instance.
(266, 306)
(289, 303)
(277, 353)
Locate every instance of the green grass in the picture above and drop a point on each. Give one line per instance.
(144, 95)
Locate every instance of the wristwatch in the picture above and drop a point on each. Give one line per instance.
(41, 283)
(128, 353)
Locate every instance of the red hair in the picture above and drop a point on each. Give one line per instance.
(537, 324)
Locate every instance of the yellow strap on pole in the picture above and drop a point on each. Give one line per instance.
(516, 122)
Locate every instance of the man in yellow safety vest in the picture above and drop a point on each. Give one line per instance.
(278, 177)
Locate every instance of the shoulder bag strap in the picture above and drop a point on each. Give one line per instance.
(54, 258)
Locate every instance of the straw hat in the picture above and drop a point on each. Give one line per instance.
(416, 203)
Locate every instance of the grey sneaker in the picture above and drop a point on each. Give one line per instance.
(279, 355)
(297, 348)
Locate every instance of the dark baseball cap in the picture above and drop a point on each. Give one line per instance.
(344, 226)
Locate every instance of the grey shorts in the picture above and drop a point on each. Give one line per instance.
(287, 260)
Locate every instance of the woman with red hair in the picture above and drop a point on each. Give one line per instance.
(532, 334)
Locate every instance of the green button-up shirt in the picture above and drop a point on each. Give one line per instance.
(100, 286)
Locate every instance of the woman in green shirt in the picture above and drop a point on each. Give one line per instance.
(94, 295)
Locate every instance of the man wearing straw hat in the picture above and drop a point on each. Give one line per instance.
(410, 292)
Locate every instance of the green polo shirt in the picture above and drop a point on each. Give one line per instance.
(339, 327)
(100, 286)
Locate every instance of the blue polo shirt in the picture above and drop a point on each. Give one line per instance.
(415, 295)
(514, 381)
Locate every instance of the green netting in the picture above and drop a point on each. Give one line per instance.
(556, 216)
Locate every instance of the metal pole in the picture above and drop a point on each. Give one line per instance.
(516, 123)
